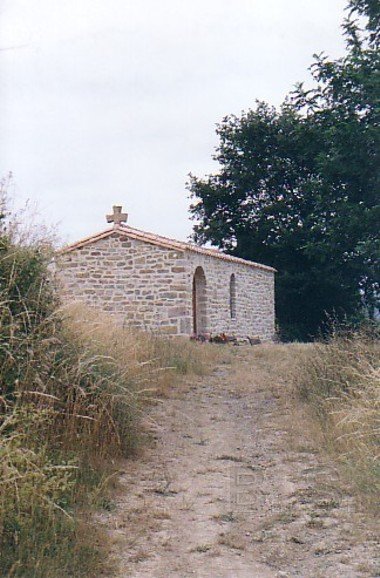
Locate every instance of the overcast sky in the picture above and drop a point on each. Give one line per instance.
(115, 101)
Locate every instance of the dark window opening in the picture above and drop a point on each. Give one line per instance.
(233, 296)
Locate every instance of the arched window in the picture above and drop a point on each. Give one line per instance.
(233, 296)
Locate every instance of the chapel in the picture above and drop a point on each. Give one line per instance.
(169, 287)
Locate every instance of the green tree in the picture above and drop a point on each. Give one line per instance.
(298, 187)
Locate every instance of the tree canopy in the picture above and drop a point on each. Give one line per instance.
(298, 187)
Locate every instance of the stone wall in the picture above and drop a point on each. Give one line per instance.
(137, 282)
(151, 287)
(254, 296)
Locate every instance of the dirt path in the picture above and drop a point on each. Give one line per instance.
(227, 491)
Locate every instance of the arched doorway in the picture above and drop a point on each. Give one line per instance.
(199, 302)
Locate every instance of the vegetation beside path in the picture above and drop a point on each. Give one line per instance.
(73, 387)
(339, 380)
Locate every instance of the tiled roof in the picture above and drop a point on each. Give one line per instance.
(130, 232)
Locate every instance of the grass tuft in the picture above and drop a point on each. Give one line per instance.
(340, 381)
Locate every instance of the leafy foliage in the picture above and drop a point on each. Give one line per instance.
(298, 187)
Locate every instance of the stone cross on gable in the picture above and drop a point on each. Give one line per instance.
(117, 216)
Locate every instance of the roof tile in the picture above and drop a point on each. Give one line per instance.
(127, 231)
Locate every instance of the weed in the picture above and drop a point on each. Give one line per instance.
(229, 458)
(202, 548)
(227, 517)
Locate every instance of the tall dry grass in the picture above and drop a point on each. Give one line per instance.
(72, 390)
(74, 387)
(340, 381)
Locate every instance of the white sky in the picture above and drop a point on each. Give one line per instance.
(115, 101)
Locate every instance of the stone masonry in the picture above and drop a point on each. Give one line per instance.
(169, 287)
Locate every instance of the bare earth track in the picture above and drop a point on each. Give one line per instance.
(228, 488)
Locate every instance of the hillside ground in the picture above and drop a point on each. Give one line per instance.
(232, 483)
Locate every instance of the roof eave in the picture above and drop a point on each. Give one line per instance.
(86, 241)
(162, 242)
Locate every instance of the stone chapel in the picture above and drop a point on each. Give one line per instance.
(167, 286)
